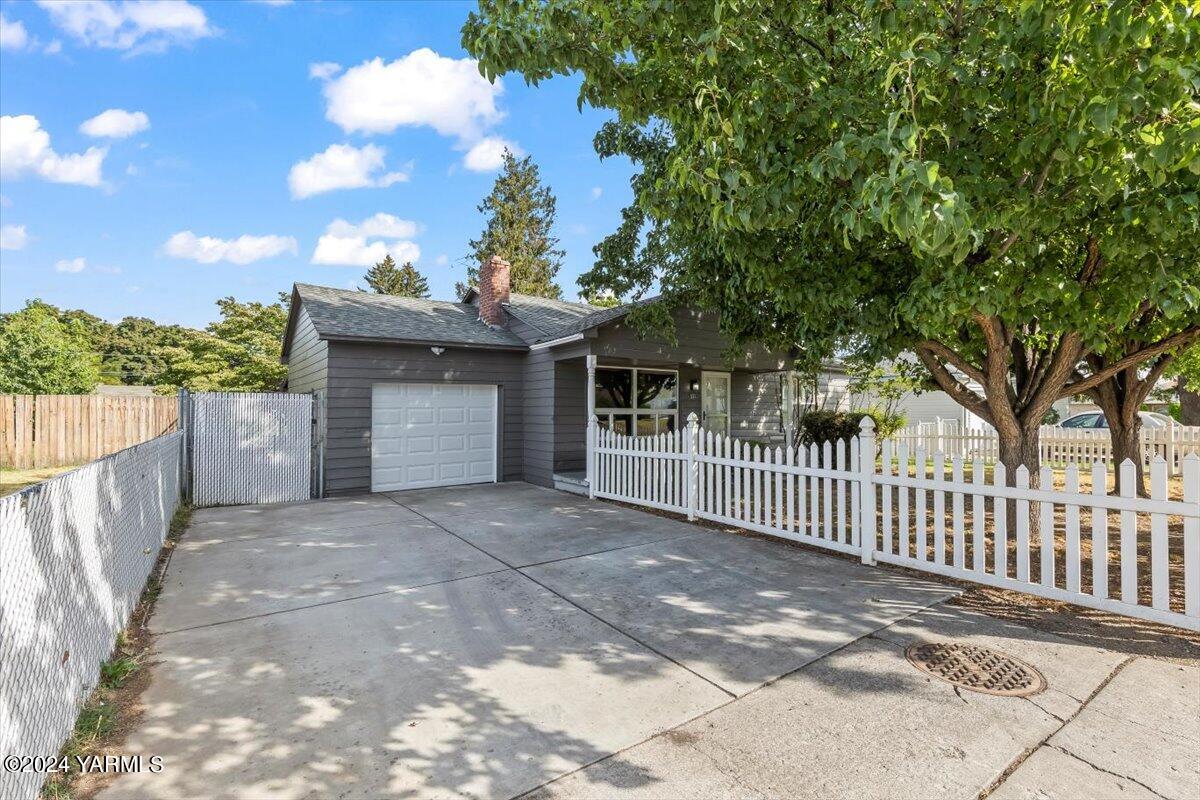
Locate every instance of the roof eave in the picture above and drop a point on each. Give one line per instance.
(342, 337)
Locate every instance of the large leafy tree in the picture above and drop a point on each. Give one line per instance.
(387, 278)
(519, 214)
(238, 352)
(40, 354)
(1006, 189)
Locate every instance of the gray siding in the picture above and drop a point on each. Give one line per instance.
(538, 411)
(539, 418)
(570, 415)
(754, 407)
(699, 344)
(354, 368)
(308, 361)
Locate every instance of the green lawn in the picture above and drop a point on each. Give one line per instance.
(14, 480)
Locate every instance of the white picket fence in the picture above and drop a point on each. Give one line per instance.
(840, 496)
(1057, 445)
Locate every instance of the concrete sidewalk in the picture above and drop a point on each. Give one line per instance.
(502, 639)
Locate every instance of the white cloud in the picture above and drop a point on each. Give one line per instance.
(13, 237)
(324, 70)
(71, 265)
(53, 48)
(487, 155)
(596, 192)
(379, 226)
(274, 2)
(13, 35)
(362, 244)
(442, 260)
(134, 25)
(116, 123)
(342, 166)
(422, 88)
(25, 150)
(242, 250)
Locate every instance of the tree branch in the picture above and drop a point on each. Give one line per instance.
(952, 386)
(1184, 337)
(943, 352)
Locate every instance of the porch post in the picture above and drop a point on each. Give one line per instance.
(591, 425)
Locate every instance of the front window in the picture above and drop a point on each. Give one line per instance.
(642, 402)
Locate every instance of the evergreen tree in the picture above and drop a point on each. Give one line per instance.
(520, 218)
(386, 278)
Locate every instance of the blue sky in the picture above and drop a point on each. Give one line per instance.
(159, 156)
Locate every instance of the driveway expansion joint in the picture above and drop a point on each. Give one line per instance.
(568, 600)
(331, 602)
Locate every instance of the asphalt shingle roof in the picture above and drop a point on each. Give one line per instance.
(547, 315)
(341, 313)
(560, 321)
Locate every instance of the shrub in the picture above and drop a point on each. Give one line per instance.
(817, 427)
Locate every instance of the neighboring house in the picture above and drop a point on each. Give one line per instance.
(496, 387)
(934, 405)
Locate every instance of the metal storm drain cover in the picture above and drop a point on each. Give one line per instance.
(976, 668)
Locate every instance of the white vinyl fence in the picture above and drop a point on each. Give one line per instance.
(1130, 555)
(75, 551)
(249, 447)
(1057, 445)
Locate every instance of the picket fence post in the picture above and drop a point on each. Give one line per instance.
(866, 471)
(692, 466)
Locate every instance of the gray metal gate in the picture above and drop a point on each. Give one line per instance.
(249, 447)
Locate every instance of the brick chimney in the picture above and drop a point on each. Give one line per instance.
(493, 291)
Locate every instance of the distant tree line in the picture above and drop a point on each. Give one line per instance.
(48, 350)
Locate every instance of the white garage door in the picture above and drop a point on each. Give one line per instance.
(432, 434)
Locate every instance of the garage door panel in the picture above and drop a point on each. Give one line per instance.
(451, 443)
(418, 445)
(432, 435)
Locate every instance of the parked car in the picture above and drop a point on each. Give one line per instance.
(1095, 419)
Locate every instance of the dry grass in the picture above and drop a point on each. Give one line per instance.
(14, 480)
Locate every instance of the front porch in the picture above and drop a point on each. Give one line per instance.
(636, 398)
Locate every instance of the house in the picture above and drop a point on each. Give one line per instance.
(498, 386)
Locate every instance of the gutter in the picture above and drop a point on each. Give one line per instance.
(518, 348)
(574, 337)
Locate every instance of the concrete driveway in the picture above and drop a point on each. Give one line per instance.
(495, 640)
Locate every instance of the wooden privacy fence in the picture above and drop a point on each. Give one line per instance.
(1120, 553)
(1058, 445)
(55, 430)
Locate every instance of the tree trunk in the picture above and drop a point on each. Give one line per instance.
(1120, 399)
(1126, 444)
(1021, 448)
(1189, 404)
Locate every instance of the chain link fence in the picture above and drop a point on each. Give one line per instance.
(75, 552)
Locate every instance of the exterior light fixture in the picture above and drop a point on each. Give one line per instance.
(437, 351)
(694, 385)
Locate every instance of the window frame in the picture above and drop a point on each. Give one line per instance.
(632, 411)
